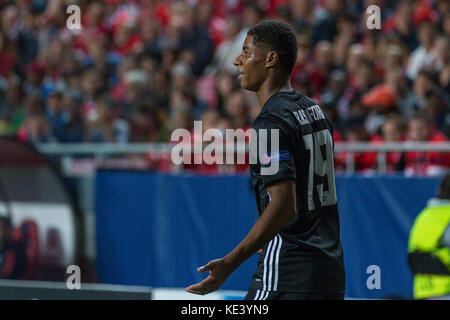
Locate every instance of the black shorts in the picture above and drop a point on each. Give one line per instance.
(253, 294)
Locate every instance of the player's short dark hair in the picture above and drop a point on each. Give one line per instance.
(280, 37)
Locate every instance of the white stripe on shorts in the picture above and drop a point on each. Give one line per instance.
(269, 248)
(277, 258)
(257, 295)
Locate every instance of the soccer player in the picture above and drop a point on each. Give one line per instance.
(298, 224)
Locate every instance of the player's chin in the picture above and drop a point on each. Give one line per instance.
(247, 86)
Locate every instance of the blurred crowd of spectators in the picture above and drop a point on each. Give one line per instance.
(139, 69)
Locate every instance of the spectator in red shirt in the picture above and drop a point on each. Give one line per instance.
(422, 129)
(392, 130)
(126, 40)
(354, 131)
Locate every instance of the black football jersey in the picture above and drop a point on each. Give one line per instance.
(306, 256)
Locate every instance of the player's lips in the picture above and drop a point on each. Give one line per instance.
(241, 75)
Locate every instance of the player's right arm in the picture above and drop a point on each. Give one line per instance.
(278, 213)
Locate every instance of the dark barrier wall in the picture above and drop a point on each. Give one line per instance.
(155, 229)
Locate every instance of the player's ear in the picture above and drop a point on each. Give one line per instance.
(271, 59)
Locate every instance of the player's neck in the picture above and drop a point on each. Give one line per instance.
(270, 87)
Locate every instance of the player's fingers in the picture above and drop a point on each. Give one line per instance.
(206, 267)
(203, 269)
(204, 287)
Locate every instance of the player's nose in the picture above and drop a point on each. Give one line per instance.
(237, 61)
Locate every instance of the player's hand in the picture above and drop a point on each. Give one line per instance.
(218, 274)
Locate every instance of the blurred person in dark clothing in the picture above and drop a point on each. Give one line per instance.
(91, 85)
(323, 64)
(326, 26)
(303, 14)
(152, 38)
(422, 56)
(160, 88)
(194, 41)
(28, 39)
(341, 46)
(346, 23)
(284, 14)
(73, 129)
(8, 55)
(211, 18)
(359, 82)
(424, 86)
(331, 96)
(54, 111)
(400, 24)
(144, 125)
(396, 78)
(108, 127)
(35, 74)
(439, 112)
(135, 92)
(303, 68)
(12, 255)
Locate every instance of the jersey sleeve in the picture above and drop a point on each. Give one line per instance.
(275, 157)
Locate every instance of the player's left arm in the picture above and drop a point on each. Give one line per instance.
(278, 213)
